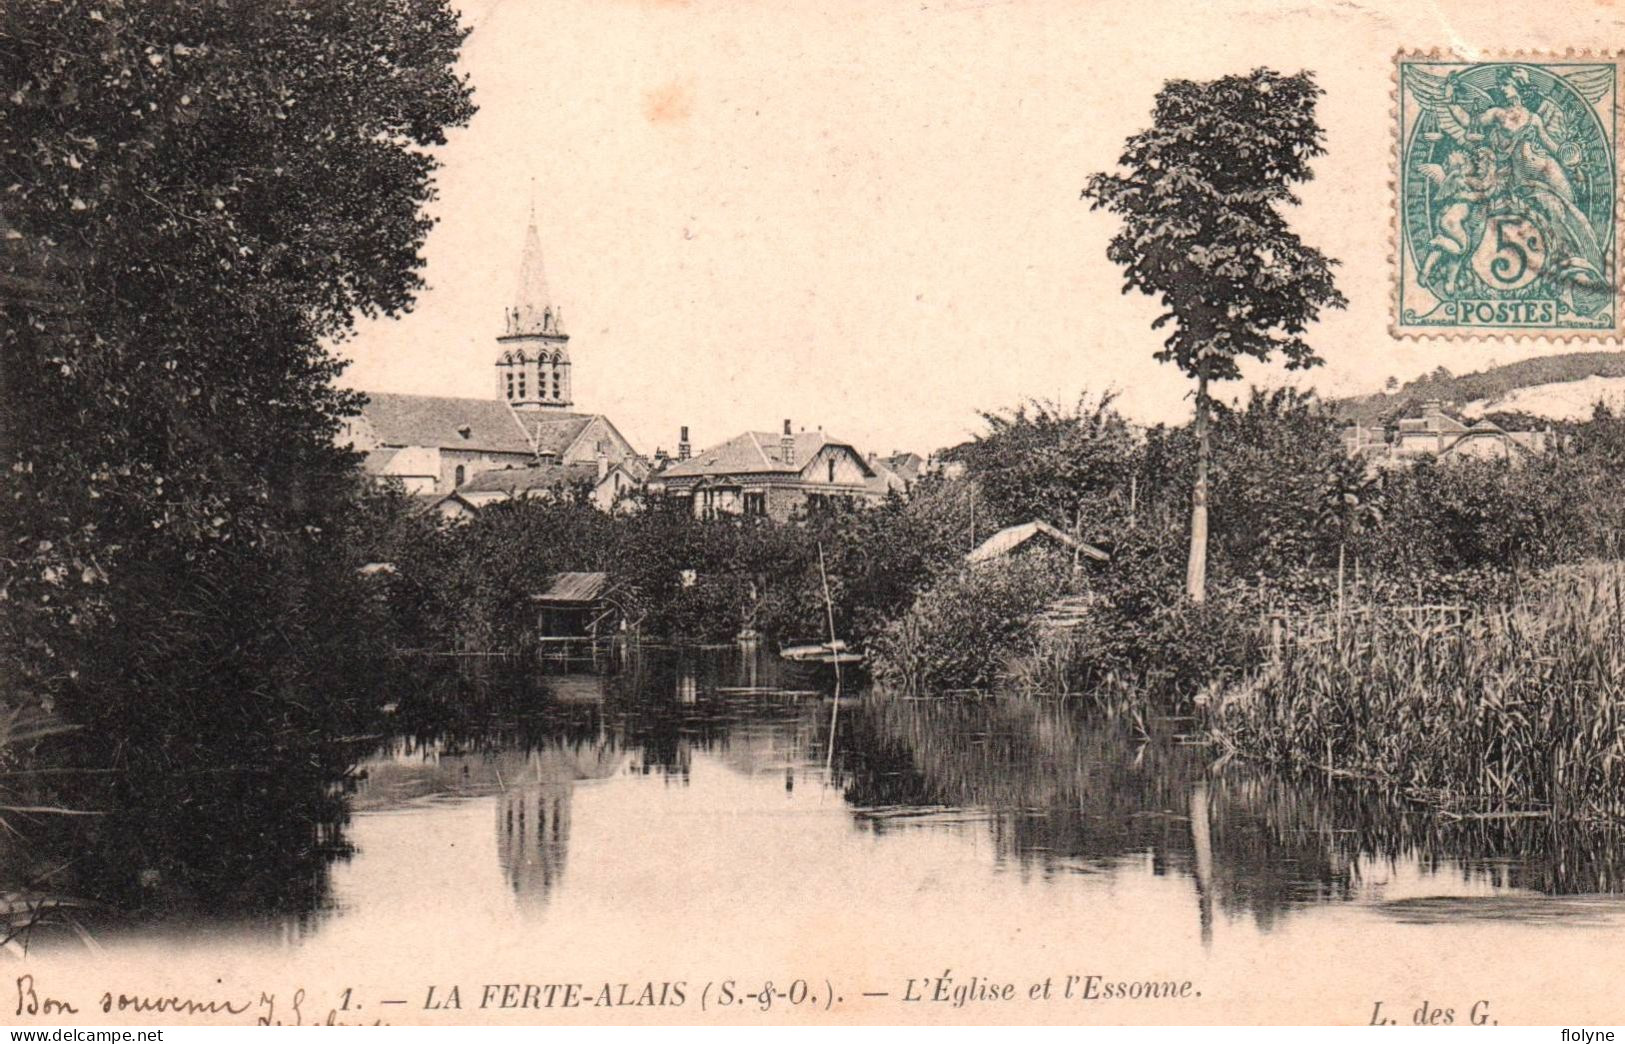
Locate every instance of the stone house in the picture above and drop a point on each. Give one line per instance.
(605, 485)
(763, 474)
(1438, 435)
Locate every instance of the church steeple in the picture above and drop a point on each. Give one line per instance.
(533, 371)
(533, 311)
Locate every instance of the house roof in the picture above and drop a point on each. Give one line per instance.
(573, 588)
(1431, 424)
(907, 465)
(885, 479)
(534, 477)
(378, 460)
(759, 452)
(1007, 540)
(423, 503)
(438, 420)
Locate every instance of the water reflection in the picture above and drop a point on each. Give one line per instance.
(571, 757)
(1065, 793)
(181, 836)
(533, 836)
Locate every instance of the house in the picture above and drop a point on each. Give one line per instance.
(768, 475)
(1439, 436)
(434, 444)
(886, 481)
(1014, 541)
(907, 466)
(603, 484)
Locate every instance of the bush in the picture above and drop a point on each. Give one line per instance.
(965, 630)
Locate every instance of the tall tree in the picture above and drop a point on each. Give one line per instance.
(195, 198)
(1047, 461)
(1199, 194)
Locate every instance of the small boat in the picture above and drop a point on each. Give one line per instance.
(821, 652)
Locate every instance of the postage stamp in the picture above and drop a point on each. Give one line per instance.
(1507, 196)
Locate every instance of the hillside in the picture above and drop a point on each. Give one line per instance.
(1558, 386)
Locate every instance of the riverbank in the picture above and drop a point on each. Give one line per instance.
(1513, 711)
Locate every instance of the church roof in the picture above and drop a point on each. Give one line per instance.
(476, 424)
(538, 477)
(758, 452)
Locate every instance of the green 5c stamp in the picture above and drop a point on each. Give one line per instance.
(1508, 197)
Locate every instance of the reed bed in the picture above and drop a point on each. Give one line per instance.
(1514, 711)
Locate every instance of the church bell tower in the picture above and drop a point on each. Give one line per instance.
(533, 370)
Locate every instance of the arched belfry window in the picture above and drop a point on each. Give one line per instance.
(557, 394)
(457, 478)
(521, 382)
(510, 384)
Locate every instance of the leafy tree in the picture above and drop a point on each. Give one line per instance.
(198, 197)
(1351, 502)
(1051, 462)
(1268, 454)
(1199, 197)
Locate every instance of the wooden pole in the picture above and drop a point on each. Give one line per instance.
(834, 655)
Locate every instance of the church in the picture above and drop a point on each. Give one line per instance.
(435, 445)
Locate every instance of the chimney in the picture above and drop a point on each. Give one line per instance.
(684, 449)
(787, 445)
(1433, 408)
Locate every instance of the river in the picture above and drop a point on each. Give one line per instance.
(701, 816)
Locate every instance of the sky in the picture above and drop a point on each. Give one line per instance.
(864, 215)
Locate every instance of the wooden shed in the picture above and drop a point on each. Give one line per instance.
(1017, 540)
(577, 606)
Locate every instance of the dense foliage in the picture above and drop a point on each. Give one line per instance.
(1065, 465)
(1200, 194)
(964, 632)
(677, 577)
(198, 196)
(1290, 506)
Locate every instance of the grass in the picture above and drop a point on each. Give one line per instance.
(1516, 711)
(29, 909)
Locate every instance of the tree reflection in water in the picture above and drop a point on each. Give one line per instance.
(183, 834)
(1065, 790)
(245, 827)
